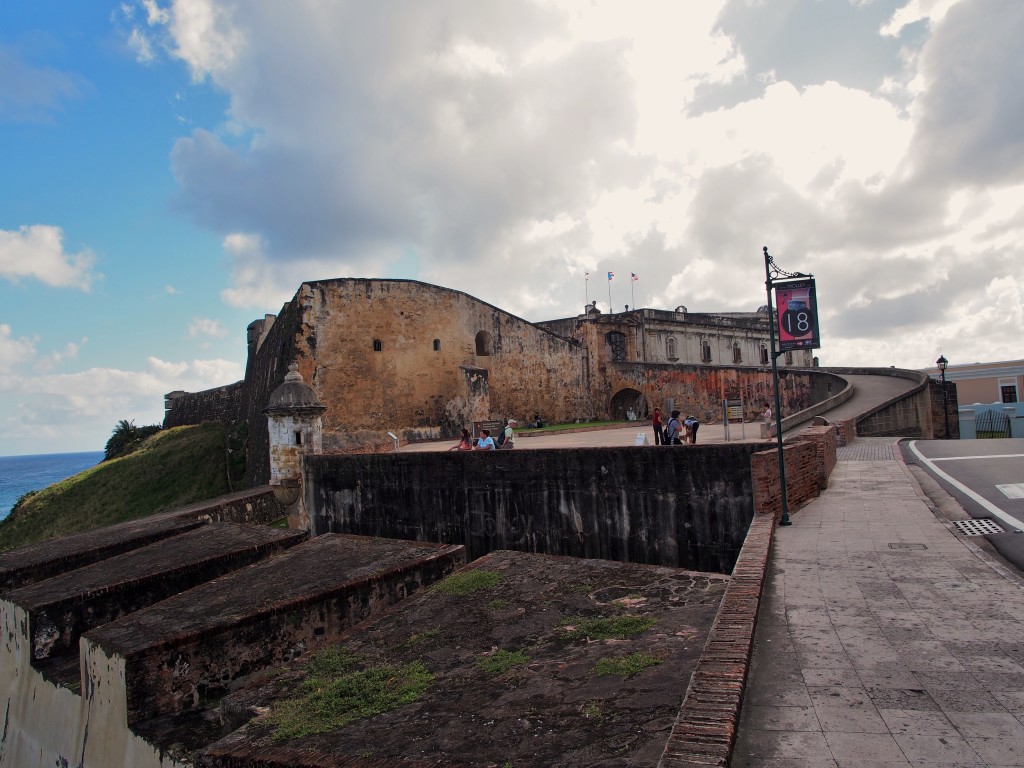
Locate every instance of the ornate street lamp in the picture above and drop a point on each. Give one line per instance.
(942, 362)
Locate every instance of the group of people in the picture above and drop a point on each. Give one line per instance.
(675, 432)
(506, 440)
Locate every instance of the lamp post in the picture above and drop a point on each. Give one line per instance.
(942, 362)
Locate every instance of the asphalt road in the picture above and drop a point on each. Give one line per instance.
(986, 477)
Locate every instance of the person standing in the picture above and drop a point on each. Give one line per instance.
(767, 415)
(656, 424)
(672, 430)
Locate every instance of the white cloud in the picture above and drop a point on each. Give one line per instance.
(204, 326)
(47, 412)
(504, 149)
(14, 352)
(37, 252)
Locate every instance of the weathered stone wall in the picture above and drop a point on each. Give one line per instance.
(679, 506)
(279, 348)
(802, 477)
(393, 355)
(698, 390)
(220, 404)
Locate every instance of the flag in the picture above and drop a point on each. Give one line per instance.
(586, 275)
(611, 275)
(633, 276)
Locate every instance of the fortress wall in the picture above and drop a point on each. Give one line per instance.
(283, 344)
(219, 404)
(686, 507)
(416, 390)
(698, 390)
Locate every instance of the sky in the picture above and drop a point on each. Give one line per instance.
(171, 170)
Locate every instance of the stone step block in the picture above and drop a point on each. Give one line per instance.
(61, 608)
(178, 654)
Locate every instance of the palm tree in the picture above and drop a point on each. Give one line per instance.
(124, 434)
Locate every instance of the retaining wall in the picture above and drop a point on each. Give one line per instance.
(802, 477)
(679, 506)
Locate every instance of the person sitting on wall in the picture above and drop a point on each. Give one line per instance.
(486, 442)
(692, 425)
(537, 422)
(672, 430)
(465, 442)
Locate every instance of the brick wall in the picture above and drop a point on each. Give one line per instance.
(705, 728)
(824, 439)
(802, 475)
(939, 415)
(846, 432)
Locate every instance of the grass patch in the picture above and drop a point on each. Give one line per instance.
(591, 710)
(418, 637)
(499, 604)
(547, 428)
(502, 661)
(467, 582)
(172, 468)
(626, 665)
(335, 693)
(614, 628)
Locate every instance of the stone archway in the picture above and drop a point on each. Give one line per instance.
(626, 400)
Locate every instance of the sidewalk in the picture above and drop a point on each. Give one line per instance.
(884, 638)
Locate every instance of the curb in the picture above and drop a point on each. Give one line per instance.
(705, 728)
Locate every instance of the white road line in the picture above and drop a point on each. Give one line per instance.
(969, 458)
(1010, 520)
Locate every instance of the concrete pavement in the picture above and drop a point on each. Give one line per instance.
(884, 637)
(604, 437)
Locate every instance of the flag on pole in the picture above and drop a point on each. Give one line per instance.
(586, 275)
(611, 275)
(633, 276)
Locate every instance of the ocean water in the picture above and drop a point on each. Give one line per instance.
(21, 474)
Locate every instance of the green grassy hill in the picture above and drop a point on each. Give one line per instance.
(173, 468)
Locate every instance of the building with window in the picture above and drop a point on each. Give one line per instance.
(1001, 382)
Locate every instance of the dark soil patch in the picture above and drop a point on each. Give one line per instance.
(551, 707)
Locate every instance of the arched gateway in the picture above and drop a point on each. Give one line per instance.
(626, 401)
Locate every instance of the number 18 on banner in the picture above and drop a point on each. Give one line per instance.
(797, 306)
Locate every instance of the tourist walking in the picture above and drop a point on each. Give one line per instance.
(658, 429)
(508, 436)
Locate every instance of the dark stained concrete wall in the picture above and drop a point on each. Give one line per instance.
(679, 506)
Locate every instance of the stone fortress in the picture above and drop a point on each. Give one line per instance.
(165, 642)
(422, 361)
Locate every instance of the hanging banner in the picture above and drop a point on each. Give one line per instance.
(797, 306)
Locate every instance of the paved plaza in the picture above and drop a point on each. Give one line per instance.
(885, 637)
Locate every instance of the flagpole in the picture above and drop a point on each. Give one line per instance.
(586, 290)
(610, 275)
(632, 294)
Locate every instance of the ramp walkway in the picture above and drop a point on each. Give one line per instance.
(885, 638)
